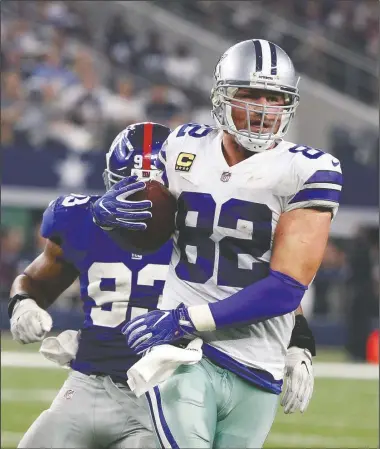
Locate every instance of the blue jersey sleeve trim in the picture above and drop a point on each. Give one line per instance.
(316, 194)
(161, 165)
(162, 155)
(165, 179)
(326, 176)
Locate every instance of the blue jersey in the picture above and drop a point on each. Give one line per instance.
(115, 285)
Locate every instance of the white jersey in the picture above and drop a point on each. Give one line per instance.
(226, 220)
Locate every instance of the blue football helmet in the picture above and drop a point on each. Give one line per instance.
(134, 152)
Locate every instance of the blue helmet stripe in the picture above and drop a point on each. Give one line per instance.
(259, 56)
(273, 56)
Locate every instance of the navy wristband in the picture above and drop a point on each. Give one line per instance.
(302, 337)
(12, 302)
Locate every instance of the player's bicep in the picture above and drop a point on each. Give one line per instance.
(299, 243)
(51, 272)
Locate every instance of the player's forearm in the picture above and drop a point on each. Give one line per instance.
(25, 285)
(46, 278)
(269, 299)
(275, 295)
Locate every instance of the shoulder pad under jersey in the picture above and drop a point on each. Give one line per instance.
(318, 178)
(65, 215)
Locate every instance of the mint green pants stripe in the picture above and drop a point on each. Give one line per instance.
(205, 406)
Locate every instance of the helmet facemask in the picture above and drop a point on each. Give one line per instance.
(223, 101)
(110, 178)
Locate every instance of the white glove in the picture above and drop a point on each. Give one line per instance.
(299, 380)
(29, 323)
(61, 349)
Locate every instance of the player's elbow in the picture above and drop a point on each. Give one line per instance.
(291, 302)
(290, 290)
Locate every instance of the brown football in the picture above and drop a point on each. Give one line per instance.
(162, 224)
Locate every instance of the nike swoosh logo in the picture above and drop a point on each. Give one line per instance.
(307, 369)
(335, 163)
(103, 207)
(160, 319)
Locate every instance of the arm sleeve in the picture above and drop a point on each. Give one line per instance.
(275, 295)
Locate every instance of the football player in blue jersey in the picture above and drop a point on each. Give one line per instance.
(95, 407)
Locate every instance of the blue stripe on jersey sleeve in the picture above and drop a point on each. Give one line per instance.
(316, 194)
(163, 154)
(165, 180)
(160, 161)
(326, 176)
(159, 164)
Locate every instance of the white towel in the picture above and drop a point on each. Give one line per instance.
(61, 349)
(160, 363)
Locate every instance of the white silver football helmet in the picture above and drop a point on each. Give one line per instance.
(256, 64)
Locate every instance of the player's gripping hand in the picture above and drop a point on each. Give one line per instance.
(29, 323)
(115, 210)
(299, 380)
(157, 328)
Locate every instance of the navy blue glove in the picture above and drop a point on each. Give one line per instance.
(114, 210)
(157, 328)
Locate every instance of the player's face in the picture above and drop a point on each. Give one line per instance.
(272, 101)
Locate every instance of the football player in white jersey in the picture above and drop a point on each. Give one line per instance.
(254, 214)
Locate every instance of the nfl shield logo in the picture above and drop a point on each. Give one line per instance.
(226, 175)
(68, 394)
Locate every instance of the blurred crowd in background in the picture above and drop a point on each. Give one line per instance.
(63, 85)
(54, 87)
(315, 33)
(353, 24)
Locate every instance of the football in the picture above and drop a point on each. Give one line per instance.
(162, 224)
